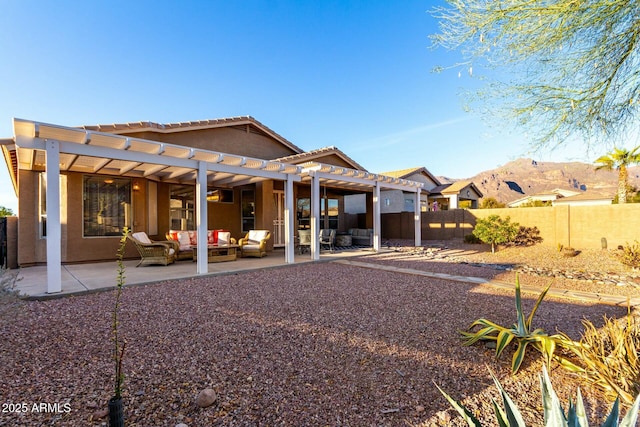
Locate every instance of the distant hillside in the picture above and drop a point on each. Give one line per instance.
(524, 177)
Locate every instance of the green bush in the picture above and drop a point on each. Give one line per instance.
(495, 230)
(470, 238)
(527, 236)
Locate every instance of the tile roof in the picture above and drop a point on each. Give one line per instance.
(122, 128)
(320, 152)
(406, 173)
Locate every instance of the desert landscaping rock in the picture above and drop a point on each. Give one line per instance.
(206, 398)
(323, 344)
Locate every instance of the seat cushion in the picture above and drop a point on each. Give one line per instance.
(251, 248)
(224, 237)
(256, 236)
(142, 237)
(184, 240)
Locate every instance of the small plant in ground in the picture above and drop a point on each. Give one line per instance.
(630, 255)
(470, 238)
(495, 230)
(115, 403)
(554, 415)
(527, 236)
(610, 357)
(521, 332)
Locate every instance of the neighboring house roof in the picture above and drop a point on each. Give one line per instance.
(455, 188)
(406, 173)
(124, 128)
(315, 155)
(545, 196)
(587, 198)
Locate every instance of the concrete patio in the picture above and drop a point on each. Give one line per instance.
(94, 277)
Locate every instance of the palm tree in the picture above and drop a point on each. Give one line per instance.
(619, 159)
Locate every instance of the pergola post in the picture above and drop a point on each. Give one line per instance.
(376, 217)
(201, 218)
(289, 250)
(416, 219)
(315, 216)
(54, 229)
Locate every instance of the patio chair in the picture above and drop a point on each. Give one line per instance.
(254, 243)
(304, 241)
(154, 252)
(327, 237)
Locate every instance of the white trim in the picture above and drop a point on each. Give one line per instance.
(54, 228)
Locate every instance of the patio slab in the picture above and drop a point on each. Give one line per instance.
(93, 277)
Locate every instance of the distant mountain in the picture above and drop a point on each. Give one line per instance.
(524, 177)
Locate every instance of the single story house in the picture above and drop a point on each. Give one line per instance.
(588, 198)
(79, 187)
(545, 196)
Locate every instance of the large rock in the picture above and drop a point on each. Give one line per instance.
(206, 398)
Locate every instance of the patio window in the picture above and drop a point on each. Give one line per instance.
(303, 213)
(42, 208)
(248, 210)
(329, 216)
(106, 205)
(182, 207)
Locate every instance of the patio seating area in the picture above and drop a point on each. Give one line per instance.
(94, 277)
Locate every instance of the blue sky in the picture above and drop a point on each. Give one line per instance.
(354, 74)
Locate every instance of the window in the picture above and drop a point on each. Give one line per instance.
(303, 213)
(182, 207)
(329, 217)
(106, 205)
(248, 210)
(42, 209)
(408, 205)
(219, 195)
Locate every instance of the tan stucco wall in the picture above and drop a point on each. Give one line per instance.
(581, 227)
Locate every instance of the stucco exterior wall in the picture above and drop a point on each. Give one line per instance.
(581, 227)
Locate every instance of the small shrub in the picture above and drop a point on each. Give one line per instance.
(630, 255)
(470, 238)
(610, 357)
(527, 236)
(495, 230)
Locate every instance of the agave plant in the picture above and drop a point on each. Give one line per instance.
(554, 415)
(521, 332)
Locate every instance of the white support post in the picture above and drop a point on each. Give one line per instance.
(201, 218)
(416, 220)
(315, 217)
(289, 249)
(54, 229)
(376, 217)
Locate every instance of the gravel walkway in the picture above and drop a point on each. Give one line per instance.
(307, 345)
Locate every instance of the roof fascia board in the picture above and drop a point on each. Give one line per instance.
(112, 153)
(410, 186)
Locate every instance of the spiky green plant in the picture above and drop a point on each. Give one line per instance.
(520, 332)
(554, 415)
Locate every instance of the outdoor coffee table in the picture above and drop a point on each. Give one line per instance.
(218, 253)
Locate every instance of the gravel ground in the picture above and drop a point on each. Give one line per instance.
(320, 344)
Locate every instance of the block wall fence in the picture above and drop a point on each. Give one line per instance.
(581, 227)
